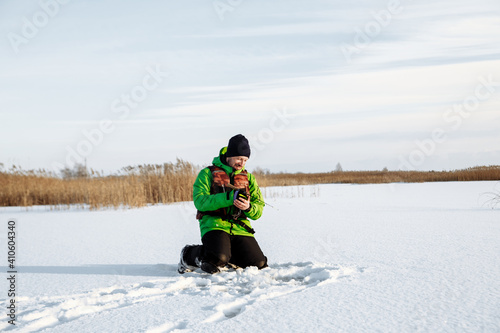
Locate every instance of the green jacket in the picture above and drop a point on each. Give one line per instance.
(204, 201)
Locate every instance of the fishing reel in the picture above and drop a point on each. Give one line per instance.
(241, 193)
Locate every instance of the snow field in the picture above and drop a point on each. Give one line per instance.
(234, 290)
(343, 258)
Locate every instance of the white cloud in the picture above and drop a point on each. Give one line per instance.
(233, 75)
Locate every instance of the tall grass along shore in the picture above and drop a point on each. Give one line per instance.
(138, 186)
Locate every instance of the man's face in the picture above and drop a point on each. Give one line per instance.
(237, 162)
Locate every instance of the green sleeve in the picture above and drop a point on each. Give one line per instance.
(256, 199)
(203, 200)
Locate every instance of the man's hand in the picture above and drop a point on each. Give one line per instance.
(240, 201)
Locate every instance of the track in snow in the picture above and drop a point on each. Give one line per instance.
(238, 289)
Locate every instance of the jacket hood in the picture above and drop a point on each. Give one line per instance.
(218, 161)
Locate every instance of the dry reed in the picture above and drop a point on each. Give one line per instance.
(134, 187)
(377, 177)
(172, 182)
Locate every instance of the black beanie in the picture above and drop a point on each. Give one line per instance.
(238, 146)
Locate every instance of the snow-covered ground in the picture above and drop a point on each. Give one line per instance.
(343, 258)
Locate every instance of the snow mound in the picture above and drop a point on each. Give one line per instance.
(233, 291)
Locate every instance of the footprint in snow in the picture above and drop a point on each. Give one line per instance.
(234, 291)
(248, 286)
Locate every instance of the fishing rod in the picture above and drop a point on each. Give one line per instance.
(231, 186)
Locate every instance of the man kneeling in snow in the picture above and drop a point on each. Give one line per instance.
(223, 213)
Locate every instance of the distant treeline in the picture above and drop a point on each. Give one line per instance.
(138, 186)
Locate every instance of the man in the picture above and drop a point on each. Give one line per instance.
(226, 196)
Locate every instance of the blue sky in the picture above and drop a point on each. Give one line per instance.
(368, 84)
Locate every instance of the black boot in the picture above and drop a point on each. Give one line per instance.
(207, 267)
(183, 266)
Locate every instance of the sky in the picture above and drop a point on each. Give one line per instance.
(399, 84)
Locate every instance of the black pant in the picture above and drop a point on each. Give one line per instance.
(220, 248)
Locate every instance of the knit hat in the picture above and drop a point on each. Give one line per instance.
(238, 146)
